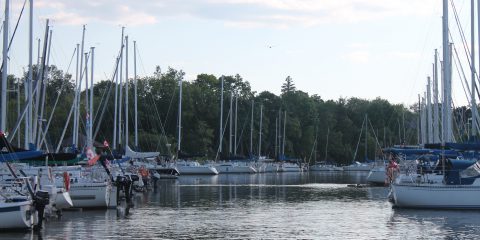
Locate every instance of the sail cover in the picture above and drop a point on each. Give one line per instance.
(132, 154)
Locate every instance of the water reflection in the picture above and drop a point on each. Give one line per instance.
(450, 224)
(257, 206)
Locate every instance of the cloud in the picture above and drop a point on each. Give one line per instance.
(404, 55)
(113, 12)
(358, 56)
(237, 13)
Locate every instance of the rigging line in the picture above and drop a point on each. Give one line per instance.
(162, 124)
(15, 30)
(455, 120)
(358, 143)
(157, 113)
(162, 127)
(464, 43)
(462, 76)
(376, 137)
(115, 72)
(58, 98)
(239, 140)
(223, 133)
(103, 99)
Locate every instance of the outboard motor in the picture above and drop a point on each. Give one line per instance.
(40, 200)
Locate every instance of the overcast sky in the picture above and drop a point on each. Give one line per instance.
(333, 48)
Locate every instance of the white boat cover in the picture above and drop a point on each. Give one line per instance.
(132, 154)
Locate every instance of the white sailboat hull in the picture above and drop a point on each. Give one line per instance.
(63, 200)
(436, 196)
(235, 169)
(290, 168)
(90, 195)
(194, 168)
(358, 168)
(325, 168)
(377, 175)
(271, 168)
(16, 215)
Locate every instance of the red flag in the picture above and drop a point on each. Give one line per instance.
(93, 160)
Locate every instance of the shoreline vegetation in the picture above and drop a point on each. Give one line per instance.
(308, 117)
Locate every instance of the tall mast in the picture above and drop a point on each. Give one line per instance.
(447, 124)
(231, 127)
(326, 145)
(115, 114)
(366, 137)
(419, 122)
(284, 135)
(135, 92)
(44, 78)
(28, 85)
(220, 132)
(472, 67)
(36, 95)
(77, 78)
(436, 132)
(126, 91)
(260, 133)
(429, 112)
(235, 136)
(276, 138)
(3, 119)
(179, 115)
(424, 119)
(251, 132)
(120, 76)
(90, 129)
(87, 115)
(279, 133)
(82, 47)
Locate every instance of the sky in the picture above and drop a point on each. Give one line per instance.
(347, 48)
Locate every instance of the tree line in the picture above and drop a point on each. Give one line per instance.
(310, 120)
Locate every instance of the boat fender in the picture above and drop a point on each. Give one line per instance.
(66, 181)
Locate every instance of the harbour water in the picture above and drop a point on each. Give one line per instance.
(262, 206)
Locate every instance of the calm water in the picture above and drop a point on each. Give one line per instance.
(263, 206)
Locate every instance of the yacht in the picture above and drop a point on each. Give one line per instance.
(444, 187)
(289, 167)
(322, 166)
(235, 167)
(358, 166)
(194, 168)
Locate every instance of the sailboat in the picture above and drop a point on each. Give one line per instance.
(233, 163)
(356, 165)
(324, 166)
(188, 166)
(453, 183)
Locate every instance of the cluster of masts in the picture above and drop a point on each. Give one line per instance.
(435, 118)
(33, 115)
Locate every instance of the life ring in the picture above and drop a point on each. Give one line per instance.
(66, 181)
